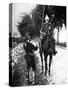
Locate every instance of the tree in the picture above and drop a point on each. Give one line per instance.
(59, 13)
(37, 15)
(60, 18)
(27, 25)
(24, 24)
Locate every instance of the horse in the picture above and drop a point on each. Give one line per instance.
(47, 47)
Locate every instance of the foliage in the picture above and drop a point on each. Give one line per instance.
(27, 25)
(59, 13)
(37, 16)
(18, 64)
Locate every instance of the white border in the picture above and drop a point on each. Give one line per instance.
(4, 28)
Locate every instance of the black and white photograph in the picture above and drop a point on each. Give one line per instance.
(37, 44)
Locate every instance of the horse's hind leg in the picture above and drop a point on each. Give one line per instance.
(50, 60)
(45, 64)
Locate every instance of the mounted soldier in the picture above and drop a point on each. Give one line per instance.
(47, 30)
(47, 44)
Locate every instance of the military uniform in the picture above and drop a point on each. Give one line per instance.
(47, 28)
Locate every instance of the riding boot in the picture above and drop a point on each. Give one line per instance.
(54, 47)
(55, 52)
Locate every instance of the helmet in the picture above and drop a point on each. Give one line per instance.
(46, 18)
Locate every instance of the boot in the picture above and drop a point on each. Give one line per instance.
(55, 52)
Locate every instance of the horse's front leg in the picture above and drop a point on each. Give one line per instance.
(50, 61)
(41, 60)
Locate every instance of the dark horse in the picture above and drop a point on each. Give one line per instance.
(47, 47)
